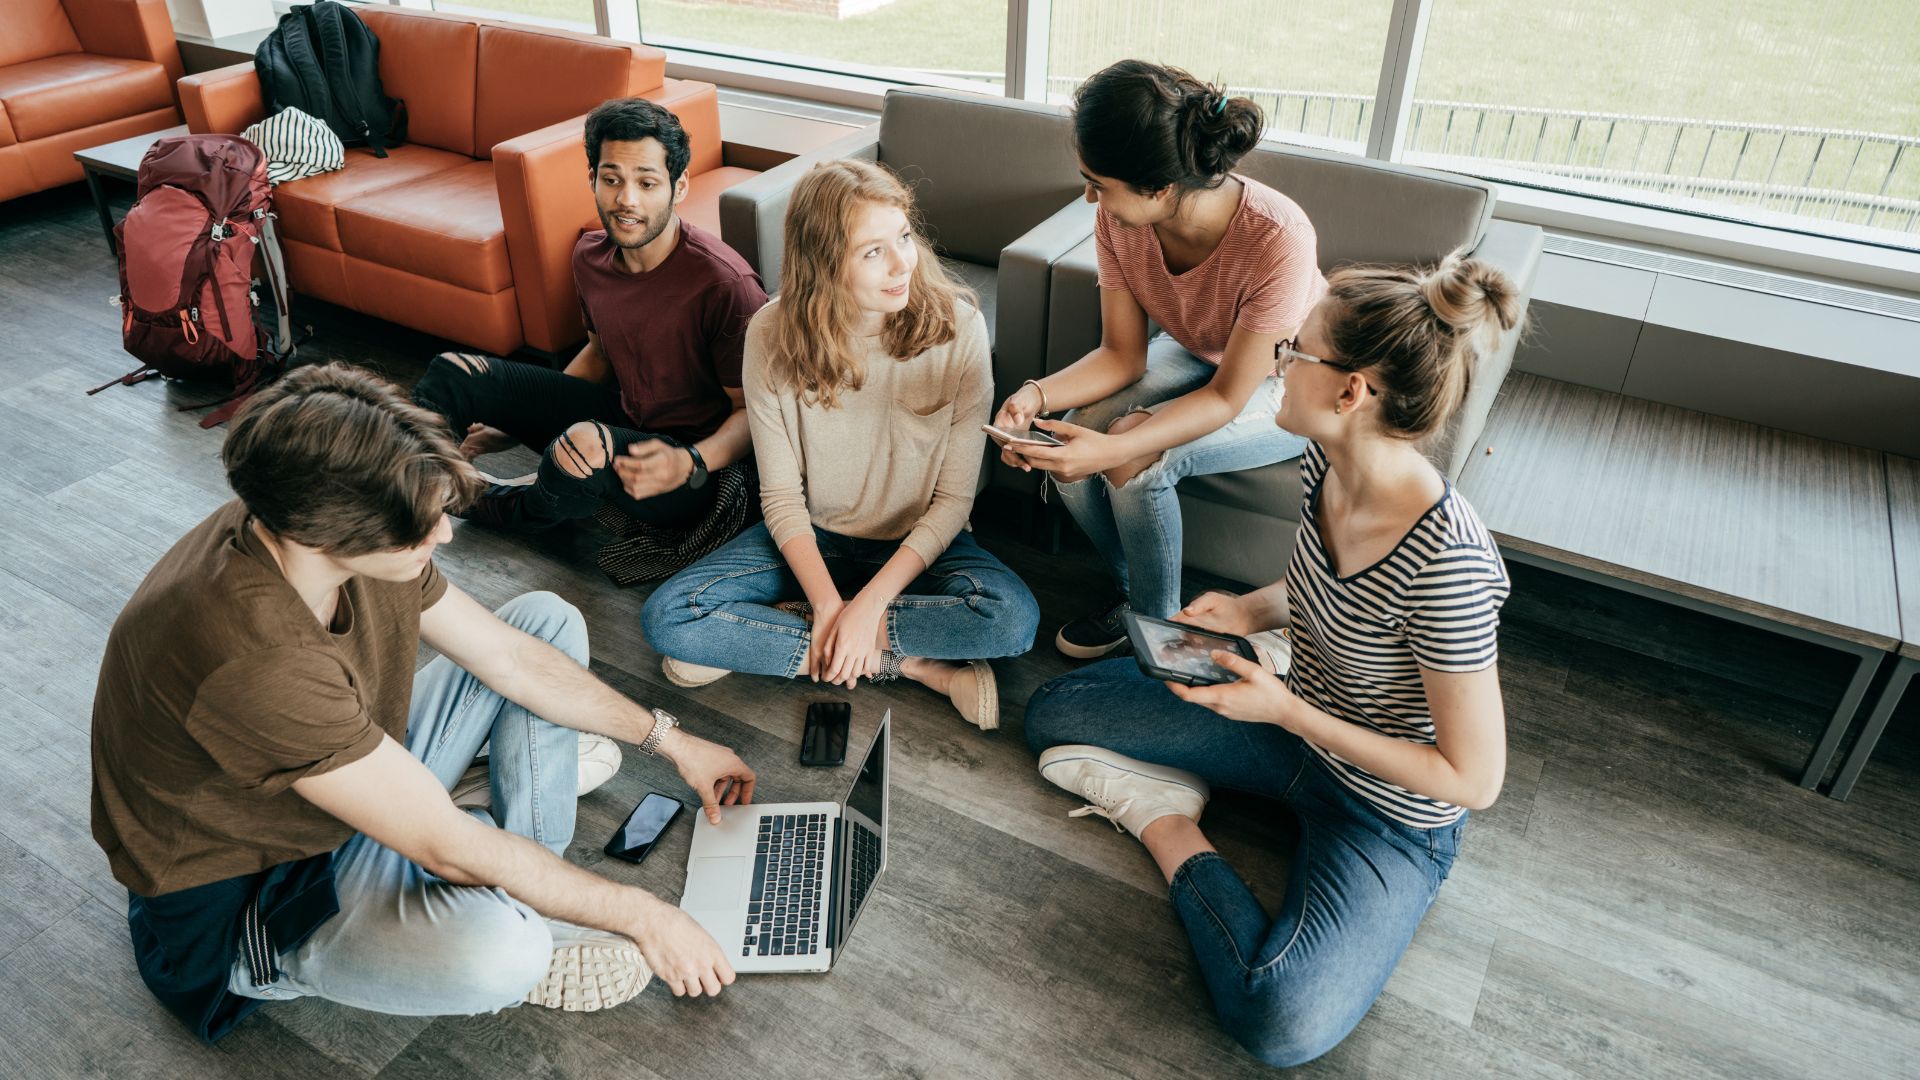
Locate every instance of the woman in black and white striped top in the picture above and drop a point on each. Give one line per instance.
(1388, 726)
(1362, 640)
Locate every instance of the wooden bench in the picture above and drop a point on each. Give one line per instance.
(1903, 493)
(1782, 531)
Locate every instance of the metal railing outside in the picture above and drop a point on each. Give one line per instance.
(1862, 178)
(1858, 177)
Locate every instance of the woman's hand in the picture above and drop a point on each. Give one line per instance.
(1258, 697)
(1220, 612)
(850, 648)
(1085, 451)
(1017, 413)
(824, 617)
(1020, 410)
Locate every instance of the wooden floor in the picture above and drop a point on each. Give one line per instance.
(1651, 897)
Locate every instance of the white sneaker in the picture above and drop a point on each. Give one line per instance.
(509, 481)
(591, 976)
(1275, 650)
(1131, 794)
(690, 676)
(599, 761)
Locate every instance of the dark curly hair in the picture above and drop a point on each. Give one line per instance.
(633, 119)
(1153, 127)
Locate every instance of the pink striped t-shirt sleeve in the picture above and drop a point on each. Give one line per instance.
(1108, 261)
(1288, 281)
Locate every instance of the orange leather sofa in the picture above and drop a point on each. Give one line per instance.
(466, 231)
(75, 74)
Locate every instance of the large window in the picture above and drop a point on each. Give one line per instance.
(1313, 65)
(1785, 112)
(565, 14)
(951, 42)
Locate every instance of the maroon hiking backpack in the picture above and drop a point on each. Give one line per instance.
(188, 304)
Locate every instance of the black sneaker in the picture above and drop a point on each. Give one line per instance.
(498, 505)
(1093, 636)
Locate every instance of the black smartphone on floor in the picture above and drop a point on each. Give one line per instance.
(824, 742)
(648, 822)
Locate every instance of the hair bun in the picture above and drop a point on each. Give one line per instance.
(1206, 101)
(1471, 296)
(1219, 129)
(1154, 127)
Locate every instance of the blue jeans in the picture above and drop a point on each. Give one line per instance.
(719, 611)
(1289, 986)
(1136, 526)
(408, 942)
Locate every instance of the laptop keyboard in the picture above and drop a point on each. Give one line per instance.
(865, 866)
(789, 868)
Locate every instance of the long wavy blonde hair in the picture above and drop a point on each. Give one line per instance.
(814, 344)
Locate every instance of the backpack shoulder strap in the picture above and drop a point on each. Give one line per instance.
(286, 346)
(331, 35)
(386, 116)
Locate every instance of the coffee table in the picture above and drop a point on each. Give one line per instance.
(121, 161)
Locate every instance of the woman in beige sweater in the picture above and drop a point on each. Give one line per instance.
(867, 381)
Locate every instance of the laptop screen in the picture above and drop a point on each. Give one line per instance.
(869, 792)
(864, 840)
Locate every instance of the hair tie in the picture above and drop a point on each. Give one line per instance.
(1222, 107)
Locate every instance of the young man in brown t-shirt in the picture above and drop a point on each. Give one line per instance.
(271, 775)
(652, 405)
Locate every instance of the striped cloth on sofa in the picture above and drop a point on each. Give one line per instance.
(297, 145)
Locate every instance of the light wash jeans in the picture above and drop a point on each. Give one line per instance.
(1136, 526)
(1288, 986)
(719, 611)
(408, 942)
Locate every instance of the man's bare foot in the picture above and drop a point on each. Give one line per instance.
(481, 440)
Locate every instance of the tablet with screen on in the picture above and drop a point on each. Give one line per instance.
(1176, 652)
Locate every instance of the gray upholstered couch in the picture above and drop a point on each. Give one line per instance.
(1241, 525)
(998, 187)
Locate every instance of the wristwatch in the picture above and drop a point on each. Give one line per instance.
(663, 722)
(698, 478)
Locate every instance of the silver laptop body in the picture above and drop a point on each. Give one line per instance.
(780, 885)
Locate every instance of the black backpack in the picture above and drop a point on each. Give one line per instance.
(324, 61)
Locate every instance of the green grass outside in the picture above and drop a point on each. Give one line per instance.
(1782, 64)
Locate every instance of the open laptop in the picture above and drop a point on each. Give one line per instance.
(780, 885)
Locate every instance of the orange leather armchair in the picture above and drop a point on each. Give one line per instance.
(467, 230)
(75, 74)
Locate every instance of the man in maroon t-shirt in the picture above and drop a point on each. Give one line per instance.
(652, 404)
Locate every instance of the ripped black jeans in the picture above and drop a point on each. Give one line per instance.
(578, 426)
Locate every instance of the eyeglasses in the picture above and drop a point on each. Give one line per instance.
(1284, 353)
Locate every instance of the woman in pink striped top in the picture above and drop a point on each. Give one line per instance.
(1228, 269)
